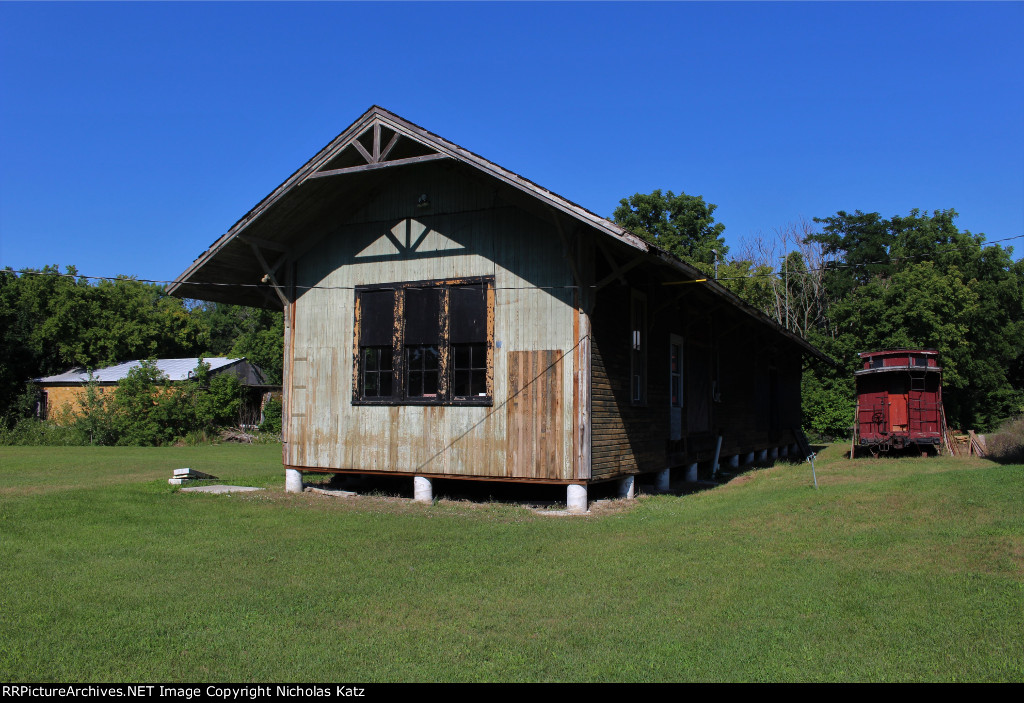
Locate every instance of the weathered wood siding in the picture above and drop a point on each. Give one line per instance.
(468, 230)
(740, 381)
(627, 438)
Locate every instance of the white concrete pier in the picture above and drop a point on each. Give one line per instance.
(422, 489)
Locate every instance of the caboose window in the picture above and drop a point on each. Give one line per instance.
(423, 343)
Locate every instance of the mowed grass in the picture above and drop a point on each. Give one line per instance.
(894, 570)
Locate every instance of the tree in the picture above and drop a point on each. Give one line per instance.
(789, 274)
(918, 281)
(52, 321)
(254, 333)
(683, 225)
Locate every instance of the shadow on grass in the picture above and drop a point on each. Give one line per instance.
(544, 496)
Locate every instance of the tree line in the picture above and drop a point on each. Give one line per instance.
(51, 322)
(854, 282)
(848, 283)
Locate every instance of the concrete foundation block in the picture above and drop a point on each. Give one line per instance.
(691, 473)
(422, 489)
(774, 453)
(293, 481)
(662, 480)
(749, 458)
(762, 455)
(576, 498)
(734, 460)
(627, 487)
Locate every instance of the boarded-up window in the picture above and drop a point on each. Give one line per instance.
(427, 342)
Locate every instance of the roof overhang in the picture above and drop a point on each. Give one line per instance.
(243, 265)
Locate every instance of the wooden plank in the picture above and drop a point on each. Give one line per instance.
(264, 243)
(362, 150)
(534, 415)
(618, 273)
(379, 165)
(391, 145)
(270, 276)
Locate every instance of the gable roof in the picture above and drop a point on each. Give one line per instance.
(238, 266)
(347, 168)
(174, 369)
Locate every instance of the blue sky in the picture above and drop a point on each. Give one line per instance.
(132, 135)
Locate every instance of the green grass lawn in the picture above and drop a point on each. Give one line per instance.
(895, 570)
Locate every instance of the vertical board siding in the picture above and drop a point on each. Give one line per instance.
(633, 438)
(466, 232)
(627, 438)
(535, 446)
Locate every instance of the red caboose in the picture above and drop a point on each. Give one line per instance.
(899, 399)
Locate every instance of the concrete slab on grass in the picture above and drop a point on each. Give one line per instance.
(219, 489)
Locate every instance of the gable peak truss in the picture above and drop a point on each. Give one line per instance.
(378, 145)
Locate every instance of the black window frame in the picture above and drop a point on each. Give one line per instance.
(453, 335)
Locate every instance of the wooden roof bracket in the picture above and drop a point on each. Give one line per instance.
(618, 270)
(567, 248)
(374, 165)
(269, 272)
(670, 303)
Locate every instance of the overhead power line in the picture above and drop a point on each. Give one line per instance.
(828, 266)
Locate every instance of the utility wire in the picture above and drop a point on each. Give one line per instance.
(828, 266)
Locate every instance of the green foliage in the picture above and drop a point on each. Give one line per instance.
(254, 333)
(144, 410)
(827, 405)
(51, 322)
(271, 417)
(750, 281)
(919, 282)
(683, 225)
(29, 432)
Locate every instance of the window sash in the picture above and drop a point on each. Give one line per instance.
(638, 348)
(676, 374)
(440, 350)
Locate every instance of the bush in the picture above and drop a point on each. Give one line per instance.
(144, 410)
(827, 407)
(32, 432)
(271, 417)
(1006, 444)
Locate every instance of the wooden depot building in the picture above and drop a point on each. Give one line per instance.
(447, 318)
